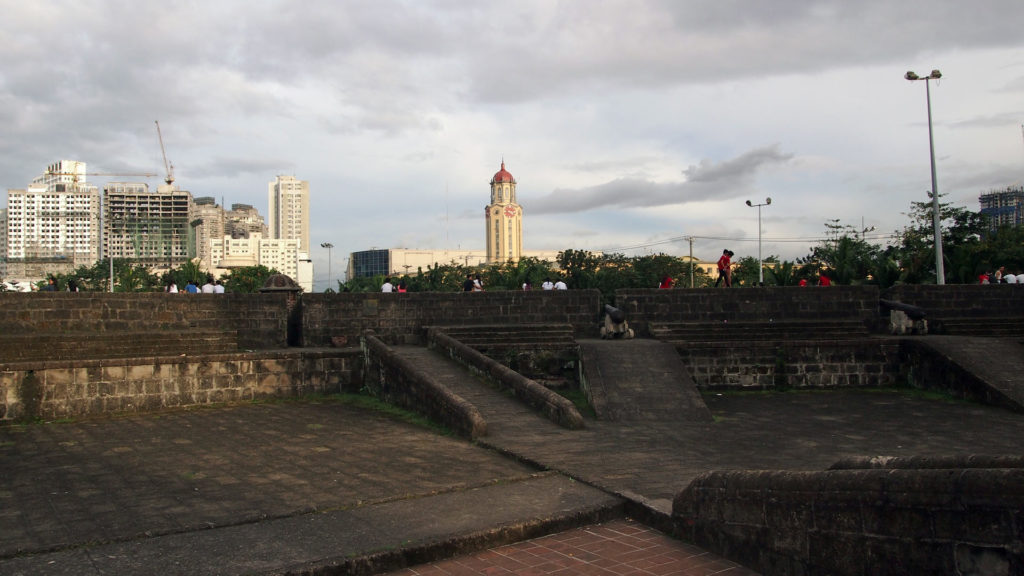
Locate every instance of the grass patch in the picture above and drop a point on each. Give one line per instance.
(579, 400)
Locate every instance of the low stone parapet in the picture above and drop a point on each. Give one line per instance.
(555, 407)
(393, 379)
(855, 522)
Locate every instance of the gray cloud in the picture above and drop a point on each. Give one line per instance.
(705, 181)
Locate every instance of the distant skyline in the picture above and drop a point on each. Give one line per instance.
(629, 126)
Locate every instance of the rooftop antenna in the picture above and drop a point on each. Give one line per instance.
(167, 165)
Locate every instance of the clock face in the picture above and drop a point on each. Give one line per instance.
(510, 211)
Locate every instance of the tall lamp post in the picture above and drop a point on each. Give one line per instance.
(760, 263)
(328, 245)
(940, 273)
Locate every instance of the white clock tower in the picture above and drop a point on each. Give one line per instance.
(504, 220)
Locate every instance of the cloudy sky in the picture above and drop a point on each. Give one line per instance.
(629, 125)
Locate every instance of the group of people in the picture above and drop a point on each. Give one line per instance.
(473, 284)
(1001, 276)
(388, 286)
(211, 287)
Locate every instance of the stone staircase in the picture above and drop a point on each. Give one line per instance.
(979, 326)
(491, 338)
(115, 344)
(773, 330)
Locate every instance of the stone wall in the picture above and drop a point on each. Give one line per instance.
(855, 522)
(52, 390)
(962, 300)
(793, 363)
(749, 305)
(260, 319)
(397, 318)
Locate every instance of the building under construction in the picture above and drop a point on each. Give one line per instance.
(1003, 207)
(148, 228)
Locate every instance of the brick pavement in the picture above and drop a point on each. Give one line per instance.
(616, 548)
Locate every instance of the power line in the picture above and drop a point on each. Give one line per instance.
(798, 239)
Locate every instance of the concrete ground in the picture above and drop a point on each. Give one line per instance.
(324, 488)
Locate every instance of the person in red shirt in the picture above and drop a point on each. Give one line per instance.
(666, 282)
(824, 281)
(725, 268)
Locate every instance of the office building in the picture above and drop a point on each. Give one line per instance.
(401, 261)
(288, 205)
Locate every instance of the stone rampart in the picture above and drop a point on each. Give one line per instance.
(854, 522)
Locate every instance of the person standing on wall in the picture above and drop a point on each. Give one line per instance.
(725, 268)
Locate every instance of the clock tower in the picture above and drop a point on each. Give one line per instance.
(504, 220)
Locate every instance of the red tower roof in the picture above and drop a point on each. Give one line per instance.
(502, 175)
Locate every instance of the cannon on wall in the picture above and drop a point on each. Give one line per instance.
(615, 325)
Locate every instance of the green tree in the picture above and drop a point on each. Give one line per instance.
(579, 268)
(961, 231)
(247, 278)
(844, 255)
(745, 271)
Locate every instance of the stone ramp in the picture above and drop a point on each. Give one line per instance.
(640, 380)
(997, 362)
(501, 410)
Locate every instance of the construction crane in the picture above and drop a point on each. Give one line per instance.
(167, 165)
(77, 174)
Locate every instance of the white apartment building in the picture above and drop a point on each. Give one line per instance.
(288, 205)
(283, 255)
(53, 226)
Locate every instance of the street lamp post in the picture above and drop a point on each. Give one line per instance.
(760, 263)
(940, 273)
(328, 245)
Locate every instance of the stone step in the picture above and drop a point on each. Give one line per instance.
(521, 335)
(710, 331)
(978, 326)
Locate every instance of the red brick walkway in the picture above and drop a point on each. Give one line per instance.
(616, 548)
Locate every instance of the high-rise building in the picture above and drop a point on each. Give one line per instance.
(53, 226)
(208, 220)
(243, 220)
(1003, 207)
(148, 228)
(504, 219)
(288, 204)
(3, 243)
